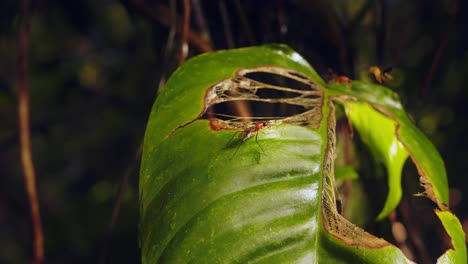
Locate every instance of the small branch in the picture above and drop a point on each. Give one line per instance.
(25, 132)
(226, 24)
(200, 20)
(245, 23)
(168, 50)
(414, 231)
(183, 46)
(162, 16)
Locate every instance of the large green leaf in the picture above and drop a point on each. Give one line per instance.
(378, 102)
(378, 132)
(267, 197)
(454, 229)
(377, 113)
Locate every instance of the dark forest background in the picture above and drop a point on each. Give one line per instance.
(95, 71)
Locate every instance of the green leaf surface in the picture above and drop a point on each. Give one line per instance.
(378, 132)
(182, 98)
(455, 230)
(209, 197)
(422, 152)
(346, 173)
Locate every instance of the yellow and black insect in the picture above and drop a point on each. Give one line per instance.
(381, 74)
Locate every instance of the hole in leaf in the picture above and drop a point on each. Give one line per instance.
(263, 94)
(278, 80)
(262, 110)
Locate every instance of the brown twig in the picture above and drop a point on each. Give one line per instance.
(245, 23)
(200, 20)
(25, 132)
(162, 16)
(168, 50)
(183, 46)
(415, 236)
(227, 24)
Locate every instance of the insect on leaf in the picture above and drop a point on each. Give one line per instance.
(272, 204)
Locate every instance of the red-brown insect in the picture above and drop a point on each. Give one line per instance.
(331, 76)
(248, 132)
(381, 74)
(342, 79)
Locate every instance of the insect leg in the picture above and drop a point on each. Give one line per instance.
(236, 150)
(256, 140)
(233, 135)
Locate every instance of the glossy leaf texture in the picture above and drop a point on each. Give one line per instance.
(385, 105)
(377, 114)
(455, 230)
(207, 196)
(378, 132)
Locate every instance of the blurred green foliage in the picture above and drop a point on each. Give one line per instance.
(95, 67)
